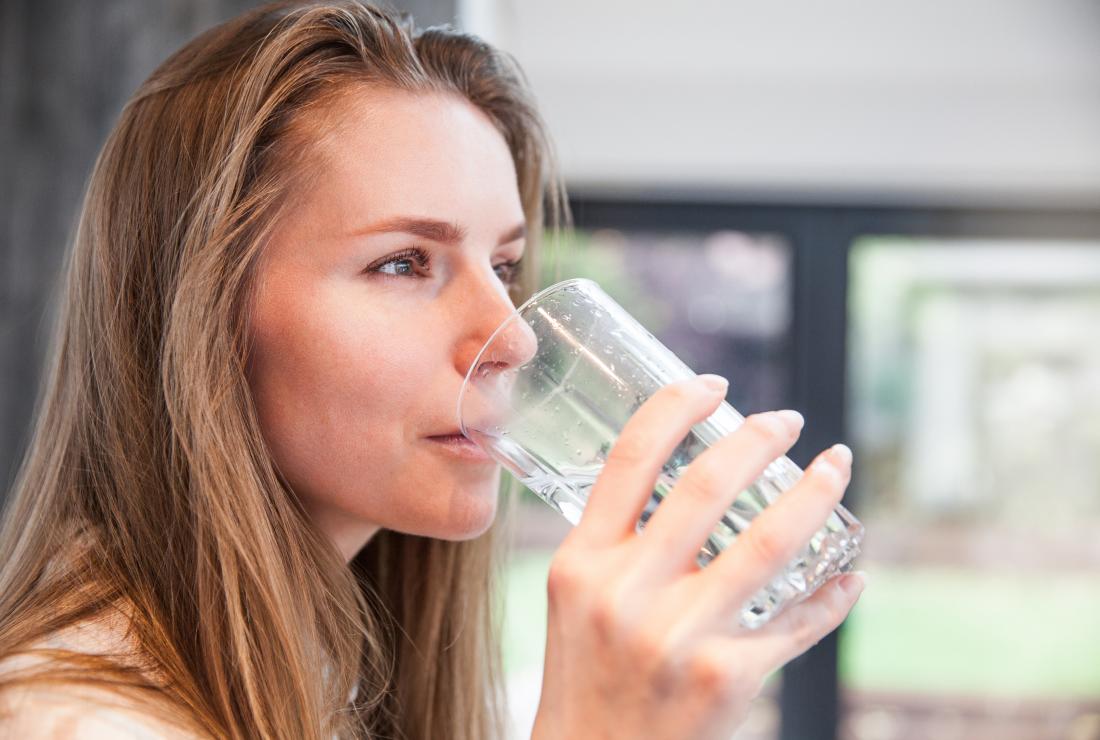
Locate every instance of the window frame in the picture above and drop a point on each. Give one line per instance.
(820, 236)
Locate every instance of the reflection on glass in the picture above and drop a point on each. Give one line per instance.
(974, 391)
(720, 301)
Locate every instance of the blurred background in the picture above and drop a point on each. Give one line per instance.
(885, 214)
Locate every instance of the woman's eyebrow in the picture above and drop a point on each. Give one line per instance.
(444, 232)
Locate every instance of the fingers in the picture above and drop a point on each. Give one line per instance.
(647, 440)
(775, 536)
(802, 626)
(677, 530)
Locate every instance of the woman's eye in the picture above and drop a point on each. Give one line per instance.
(408, 257)
(509, 272)
(404, 265)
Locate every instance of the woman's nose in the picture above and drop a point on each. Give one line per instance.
(508, 341)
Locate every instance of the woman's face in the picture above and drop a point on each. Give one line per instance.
(358, 351)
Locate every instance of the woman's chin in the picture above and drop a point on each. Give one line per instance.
(473, 518)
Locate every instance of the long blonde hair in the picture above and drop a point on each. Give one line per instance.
(146, 449)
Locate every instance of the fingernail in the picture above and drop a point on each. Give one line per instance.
(824, 465)
(841, 454)
(854, 583)
(792, 419)
(714, 382)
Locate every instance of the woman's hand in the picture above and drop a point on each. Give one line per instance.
(641, 641)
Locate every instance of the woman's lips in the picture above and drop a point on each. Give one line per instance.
(462, 448)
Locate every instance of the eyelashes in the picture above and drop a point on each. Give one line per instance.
(417, 256)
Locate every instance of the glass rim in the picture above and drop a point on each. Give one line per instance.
(518, 311)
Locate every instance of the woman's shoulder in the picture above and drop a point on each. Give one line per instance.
(38, 709)
(67, 711)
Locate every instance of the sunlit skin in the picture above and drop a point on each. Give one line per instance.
(357, 361)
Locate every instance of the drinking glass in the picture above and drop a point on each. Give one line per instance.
(552, 389)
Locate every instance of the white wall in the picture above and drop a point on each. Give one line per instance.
(932, 101)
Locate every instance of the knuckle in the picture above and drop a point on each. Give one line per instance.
(614, 620)
(677, 391)
(565, 577)
(765, 542)
(606, 619)
(708, 675)
(650, 650)
(627, 451)
(812, 623)
(702, 483)
(805, 636)
(720, 679)
(836, 609)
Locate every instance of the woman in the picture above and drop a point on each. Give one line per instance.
(237, 517)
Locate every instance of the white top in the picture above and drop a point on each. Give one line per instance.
(74, 711)
(85, 713)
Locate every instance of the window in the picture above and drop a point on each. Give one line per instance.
(955, 350)
(974, 392)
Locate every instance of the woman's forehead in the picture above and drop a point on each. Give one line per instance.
(397, 126)
(395, 148)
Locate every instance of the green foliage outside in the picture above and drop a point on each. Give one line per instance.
(925, 630)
